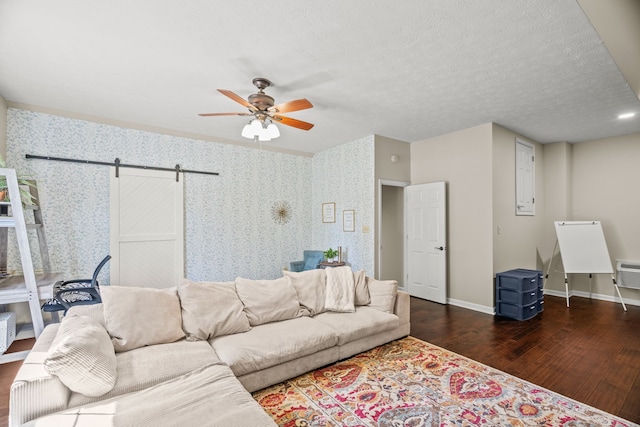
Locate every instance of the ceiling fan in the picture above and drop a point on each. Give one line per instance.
(261, 106)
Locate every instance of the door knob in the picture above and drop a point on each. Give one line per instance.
(439, 248)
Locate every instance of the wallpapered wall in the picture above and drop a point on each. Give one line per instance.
(229, 230)
(346, 175)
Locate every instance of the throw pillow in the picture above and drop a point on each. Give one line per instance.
(383, 294)
(362, 290)
(136, 317)
(268, 301)
(211, 309)
(310, 288)
(340, 293)
(82, 356)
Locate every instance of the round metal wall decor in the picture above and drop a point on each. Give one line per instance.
(281, 212)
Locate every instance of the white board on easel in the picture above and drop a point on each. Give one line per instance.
(583, 247)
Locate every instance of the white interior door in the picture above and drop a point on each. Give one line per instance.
(427, 241)
(147, 231)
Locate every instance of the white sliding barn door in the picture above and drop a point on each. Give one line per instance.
(427, 241)
(147, 231)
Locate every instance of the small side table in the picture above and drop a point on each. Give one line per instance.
(325, 264)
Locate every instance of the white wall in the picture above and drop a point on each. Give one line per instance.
(345, 175)
(399, 171)
(463, 160)
(605, 176)
(3, 127)
(517, 244)
(557, 194)
(228, 224)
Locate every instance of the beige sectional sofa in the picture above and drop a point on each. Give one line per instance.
(192, 355)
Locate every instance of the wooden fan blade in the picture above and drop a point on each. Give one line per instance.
(237, 98)
(224, 114)
(292, 122)
(297, 105)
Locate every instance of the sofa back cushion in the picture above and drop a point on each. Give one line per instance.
(268, 301)
(211, 309)
(362, 296)
(95, 311)
(383, 294)
(310, 288)
(82, 356)
(136, 317)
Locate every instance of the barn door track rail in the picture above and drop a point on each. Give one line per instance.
(117, 164)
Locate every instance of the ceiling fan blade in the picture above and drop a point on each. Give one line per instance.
(292, 122)
(297, 105)
(237, 98)
(224, 114)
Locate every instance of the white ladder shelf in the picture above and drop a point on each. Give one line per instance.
(28, 287)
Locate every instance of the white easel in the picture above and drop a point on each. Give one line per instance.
(583, 250)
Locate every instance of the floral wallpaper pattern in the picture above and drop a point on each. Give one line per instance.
(346, 175)
(229, 230)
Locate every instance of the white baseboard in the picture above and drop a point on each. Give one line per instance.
(472, 306)
(492, 310)
(582, 294)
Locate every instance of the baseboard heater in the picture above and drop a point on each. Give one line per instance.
(628, 274)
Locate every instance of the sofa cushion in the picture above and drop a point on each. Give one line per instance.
(82, 356)
(310, 288)
(207, 396)
(95, 311)
(147, 366)
(340, 291)
(210, 309)
(136, 317)
(361, 289)
(273, 343)
(353, 326)
(383, 294)
(33, 379)
(268, 300)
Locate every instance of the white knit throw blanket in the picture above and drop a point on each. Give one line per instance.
(340, 292)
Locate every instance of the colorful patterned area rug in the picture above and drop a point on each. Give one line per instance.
(413, 383)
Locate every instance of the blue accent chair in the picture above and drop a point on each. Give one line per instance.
(310, 261)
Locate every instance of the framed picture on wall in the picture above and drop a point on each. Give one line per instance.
(349, 220)
(329, 212)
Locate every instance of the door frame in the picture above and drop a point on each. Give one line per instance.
(390, 183)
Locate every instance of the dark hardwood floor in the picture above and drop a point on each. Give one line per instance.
(589, 352)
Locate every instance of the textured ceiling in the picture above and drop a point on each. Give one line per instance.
(407, 70)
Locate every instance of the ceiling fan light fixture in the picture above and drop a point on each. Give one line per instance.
(273, 131)
(260, 131)
(264, 111)
(247, 131)
(256, 126)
